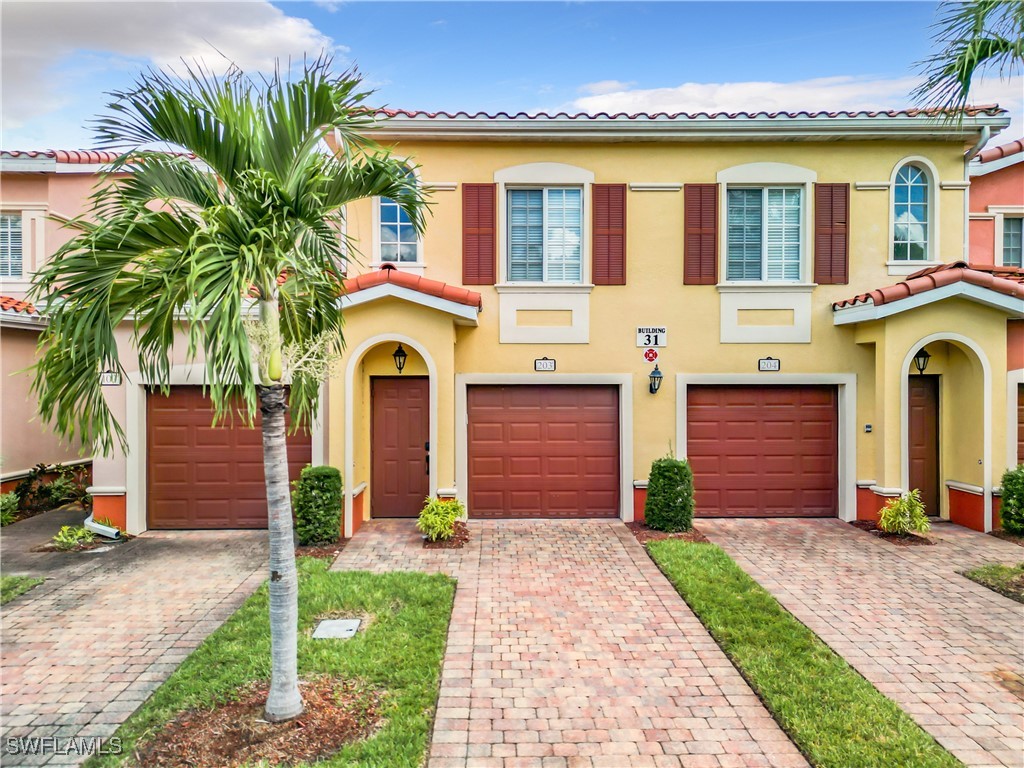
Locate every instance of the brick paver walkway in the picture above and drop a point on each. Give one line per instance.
(568, 647)
(81, 652)
(950, 652)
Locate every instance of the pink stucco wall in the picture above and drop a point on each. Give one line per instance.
(1002, 187)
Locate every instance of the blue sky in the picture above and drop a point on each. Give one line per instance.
(60, 58)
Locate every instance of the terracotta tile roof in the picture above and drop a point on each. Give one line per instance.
(11, 304)
(971, 111)
(388, 273)
(75, 156)
(1006, 280)
(1005, 150)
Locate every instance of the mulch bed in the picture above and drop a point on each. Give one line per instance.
(324, 551)
(338, 712)
(644, 534)
(900, 540)
(1010, 537)
(457, 541)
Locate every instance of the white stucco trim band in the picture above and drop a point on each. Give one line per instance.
(847, 396)
(463, 313)
(623, 381)
(955, 485)
(869, 311)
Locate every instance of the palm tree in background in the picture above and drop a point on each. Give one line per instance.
(231, 241)
(972, 38)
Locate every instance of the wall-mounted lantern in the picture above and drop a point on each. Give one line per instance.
(921, 359)
(400, 356)
(656, 379)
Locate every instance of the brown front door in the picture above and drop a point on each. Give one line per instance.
(924, 439)
(399, 445)
(201, 476)
(770, 451)
(543, 451)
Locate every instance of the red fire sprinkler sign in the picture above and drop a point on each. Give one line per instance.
(651, 355)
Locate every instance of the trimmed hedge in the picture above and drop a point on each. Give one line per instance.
(1012, 510)
(669, 505)
(316, 503)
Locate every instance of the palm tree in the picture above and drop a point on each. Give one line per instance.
(241, 221)
(972, 37)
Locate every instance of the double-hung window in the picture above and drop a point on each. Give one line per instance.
(10, 245)
(545, 235)
(764, 233)
(398, 239)
(1012, 231)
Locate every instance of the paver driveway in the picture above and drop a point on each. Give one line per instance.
(83, 650)
(950, 652)
(569, 648)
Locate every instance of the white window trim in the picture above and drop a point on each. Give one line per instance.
(534, 175)
(905, 267)
(999, 214)
(412, 266)
(767, 175)
(544, 190)
(33, 233)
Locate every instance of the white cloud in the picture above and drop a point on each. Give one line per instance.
(38, 37)
(826, 94)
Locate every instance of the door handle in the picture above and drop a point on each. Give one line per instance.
(426, 459)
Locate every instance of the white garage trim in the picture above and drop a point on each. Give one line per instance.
(847, 386)
(623, 381)
(350, 376)
(986, 437)
(191, 374)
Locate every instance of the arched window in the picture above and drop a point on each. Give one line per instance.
(912, 214)
(398, 240)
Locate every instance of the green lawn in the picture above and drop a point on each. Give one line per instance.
(12, 586)
(1007, 580)
(835, 716)
(399, 653)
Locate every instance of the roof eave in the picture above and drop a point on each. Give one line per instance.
(868, 311)
(675, 129)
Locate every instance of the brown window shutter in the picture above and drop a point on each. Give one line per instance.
(700, 243)
(832, 234)
(609, 262)
(479, 213)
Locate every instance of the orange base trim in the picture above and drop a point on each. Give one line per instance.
(112, 508)
(997, 520)
(967, 509)
(639, 500)
(870, 504)
(357, 511)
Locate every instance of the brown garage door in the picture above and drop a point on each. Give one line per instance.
(543, 451)
(201, 476)
(764, 451)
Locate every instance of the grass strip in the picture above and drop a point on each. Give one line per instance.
(835, 716)
(1007, 580)
(12, 586)
(399, 653)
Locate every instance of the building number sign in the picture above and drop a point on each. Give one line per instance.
(651, 337)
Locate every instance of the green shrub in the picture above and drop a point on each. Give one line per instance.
(669, 505)
(35, 494)
(316, 502)
(8, 507)
(70, 536)
(1012, 510)
(903, 515)
(437, 519)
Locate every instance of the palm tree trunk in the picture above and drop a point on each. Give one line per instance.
(284, 701)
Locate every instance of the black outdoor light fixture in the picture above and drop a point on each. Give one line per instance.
(921, 359)
(400, 356)
(656, 377)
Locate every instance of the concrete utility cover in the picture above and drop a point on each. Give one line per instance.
(341, 629)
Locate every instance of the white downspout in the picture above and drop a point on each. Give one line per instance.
(986, 134)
